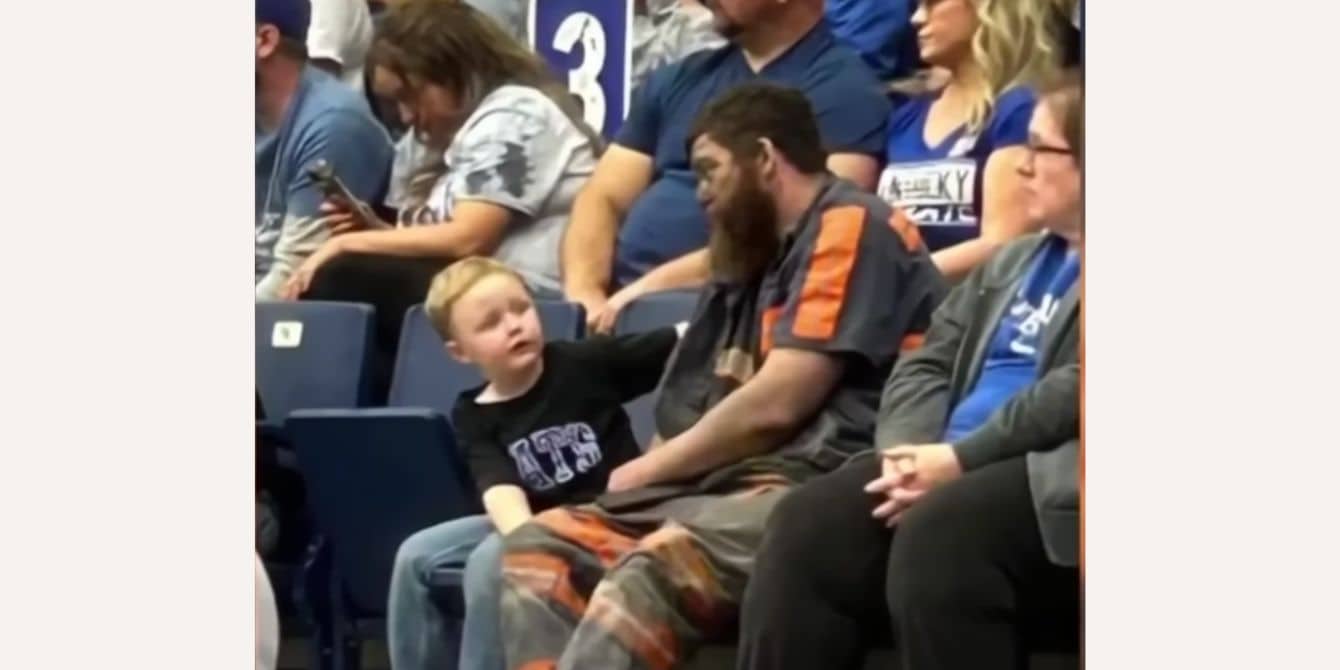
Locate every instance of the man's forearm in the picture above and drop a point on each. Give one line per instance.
(588, 246)
(300, 238)
(740, 426)
(688, 271)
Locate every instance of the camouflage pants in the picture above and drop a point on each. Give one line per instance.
(637, 580)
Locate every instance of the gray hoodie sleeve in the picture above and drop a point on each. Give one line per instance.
(915, 404)
(298, 238)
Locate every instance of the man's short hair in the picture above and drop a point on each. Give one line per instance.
(740, 117)
(292, 48)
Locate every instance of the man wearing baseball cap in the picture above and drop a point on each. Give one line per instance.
(303, 116)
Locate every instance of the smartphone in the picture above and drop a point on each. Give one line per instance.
(330, 184)
(332, 187)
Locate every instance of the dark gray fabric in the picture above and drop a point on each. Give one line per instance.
(926, 385)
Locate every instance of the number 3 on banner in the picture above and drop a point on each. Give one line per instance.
(582, 81)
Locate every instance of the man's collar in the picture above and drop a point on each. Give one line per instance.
(825, 184)
(803, 50)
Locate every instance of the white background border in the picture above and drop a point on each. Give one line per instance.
(127, 335)
(1211, 259)
(1211, 458)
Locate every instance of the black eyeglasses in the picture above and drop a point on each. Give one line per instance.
(1047, 149)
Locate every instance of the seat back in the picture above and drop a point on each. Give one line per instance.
(312, 355)
(650, 312)
(425, 376)
(373, 478)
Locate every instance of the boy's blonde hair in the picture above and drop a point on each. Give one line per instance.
(453, 282)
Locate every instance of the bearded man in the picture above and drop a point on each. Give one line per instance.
(817, 285)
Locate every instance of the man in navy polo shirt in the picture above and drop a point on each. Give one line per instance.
(637, 226)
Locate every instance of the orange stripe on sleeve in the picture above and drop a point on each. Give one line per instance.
(906, 229)
(831, 264)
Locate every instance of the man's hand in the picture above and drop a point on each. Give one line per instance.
(301, 279)
(909, 471)
(603, 323)
(633, 474)
(593, 302)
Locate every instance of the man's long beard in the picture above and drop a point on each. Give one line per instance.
(744, 239)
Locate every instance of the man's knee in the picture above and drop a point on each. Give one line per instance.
(671, 566)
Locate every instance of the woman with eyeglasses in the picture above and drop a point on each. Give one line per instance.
(507, 153)
(957, 538)
(950, 154)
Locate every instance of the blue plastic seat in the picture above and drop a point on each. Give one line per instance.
(312, 355)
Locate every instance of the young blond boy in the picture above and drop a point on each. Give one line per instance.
(545, 430)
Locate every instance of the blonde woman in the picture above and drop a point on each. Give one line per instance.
(950, 154)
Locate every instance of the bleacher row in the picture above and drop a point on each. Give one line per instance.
(375, 475)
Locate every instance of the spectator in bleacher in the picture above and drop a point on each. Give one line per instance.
(664, 31)
(509, 154)
(636, 228)
(880, 31)
(950, 154)
(546, 430)
(303, 115)
(338, 38)
(961, 531)
(775, 381)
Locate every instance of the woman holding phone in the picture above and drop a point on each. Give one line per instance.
(507, 154)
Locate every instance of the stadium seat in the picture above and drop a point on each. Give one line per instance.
(308, 355)
(650, 312)
(312, 355)
(375, 476)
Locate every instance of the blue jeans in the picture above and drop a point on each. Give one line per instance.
(416, 630)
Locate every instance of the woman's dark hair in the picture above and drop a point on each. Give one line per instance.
(453, 45)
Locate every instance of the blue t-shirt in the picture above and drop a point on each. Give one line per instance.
(880, 31)
(1012, 360)
(667, 221)
(940, 187)
(326, 119)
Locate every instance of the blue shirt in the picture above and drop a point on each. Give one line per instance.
(666, 221)
(940, 187)
(1012, 360)
(880, 31)
(326, 119)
